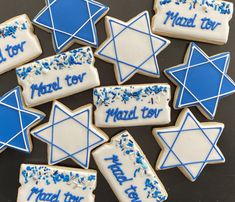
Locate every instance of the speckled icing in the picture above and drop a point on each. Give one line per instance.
(132, 105)
(58, 76)
(61, 184)
(127, 170)
(18, 44)
(200, 20)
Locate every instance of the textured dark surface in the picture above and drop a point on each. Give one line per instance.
(216, 183)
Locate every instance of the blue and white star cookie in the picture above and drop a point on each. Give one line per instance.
(132, 47)
(16, 121)
(202, 80)
(190, 145)
(71, 20)
(70, 134)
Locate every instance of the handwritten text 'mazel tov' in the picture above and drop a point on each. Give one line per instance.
(42, 88)
(11, 51)
(176, 20)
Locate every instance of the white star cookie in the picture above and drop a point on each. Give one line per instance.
(132, 47)
(190, 145)
(70, 134)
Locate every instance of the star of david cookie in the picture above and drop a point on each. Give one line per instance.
(201, 81)
(189, 145)
(132, 47)
(71, 21)
(70, 134)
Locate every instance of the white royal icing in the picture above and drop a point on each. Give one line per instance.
(18, 43)
(56, 184)
(58, 76)
(70, 134)
(132, 47)
(132, 105)
(200, 20)
(127, 170)
(189, 145)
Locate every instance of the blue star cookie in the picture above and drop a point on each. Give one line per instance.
(132, 47)
(70, 20)
(70, 134)
(202, 80)
(15, 122)
(190, 145)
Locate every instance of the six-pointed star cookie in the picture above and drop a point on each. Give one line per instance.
(15, 122)
(202, 81)
(70, 134)
(71, 20)
(189, 145)
(132, 47)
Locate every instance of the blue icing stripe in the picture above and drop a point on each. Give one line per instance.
(49, 176)
(108, 95)
(77, 22)
(9, 30)
(202, 81)
(221, 6)
(59, 62)
(15, 122)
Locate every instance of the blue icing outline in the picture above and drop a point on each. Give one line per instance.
(10, 29)
(61, 61)
(65, 29)
(222, 7)
(201, 128)
(198, 91)
(107, 95)
(127, 146)
(16, 125)
(155, 49)
(49, 175)
(74, 117)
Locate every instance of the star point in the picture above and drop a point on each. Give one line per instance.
(70, 134)
(71, 20)
(132, 47)
(190, 145)
(16, 120)
(201, 81)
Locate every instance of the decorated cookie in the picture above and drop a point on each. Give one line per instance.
(198, 20)
(58, 76)
(16, 121)
(70, 134)
(202, 80)
(127, 170)
(18, 44)
(71, 21)
(133, 105)
(190, 145)
(132, 47)
(56, 184)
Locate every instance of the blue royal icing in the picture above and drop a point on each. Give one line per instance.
(125, 66)
(16, 121)
(61, 61)
(77, 22)
(222, 7)
(205, 138)
(202, 81)
(81, 124)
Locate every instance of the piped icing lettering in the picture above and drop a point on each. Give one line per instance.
(200, 20)
(18, 44)
(132, 105)
(58, 76)
(127, 170)
(42, 183)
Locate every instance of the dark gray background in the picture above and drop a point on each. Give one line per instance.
(216, 183)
